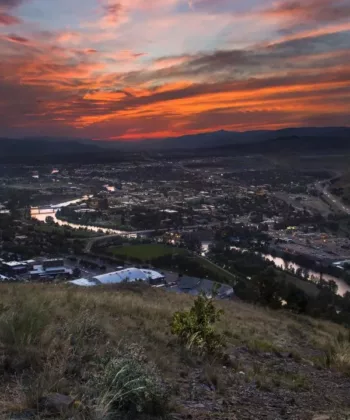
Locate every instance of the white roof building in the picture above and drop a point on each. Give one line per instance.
(83, 282)
(125, 275)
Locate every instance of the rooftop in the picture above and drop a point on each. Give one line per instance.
(127, 274)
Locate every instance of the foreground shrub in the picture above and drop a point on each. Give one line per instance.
(195, 328)
(130, 387)
(336, 355)
(23, 326)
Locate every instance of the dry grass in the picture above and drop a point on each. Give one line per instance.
(336, 354)
(55, 338)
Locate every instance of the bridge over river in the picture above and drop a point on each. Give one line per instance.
(35, 211)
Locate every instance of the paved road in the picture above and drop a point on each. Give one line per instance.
(323, 188)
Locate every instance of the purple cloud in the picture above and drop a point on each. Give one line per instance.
(7, 20)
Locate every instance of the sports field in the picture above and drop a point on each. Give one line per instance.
(145, 252)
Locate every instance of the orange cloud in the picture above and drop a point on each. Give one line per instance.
(114, 84)
(104, 96)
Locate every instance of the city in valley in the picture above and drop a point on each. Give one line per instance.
(174, 210)
(213, 278)
(208, 214)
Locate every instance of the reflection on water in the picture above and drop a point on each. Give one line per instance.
(42, 218)
(279, 262)
(343, 287)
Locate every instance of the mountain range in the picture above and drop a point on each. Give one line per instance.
(290, 140)
(225, 138)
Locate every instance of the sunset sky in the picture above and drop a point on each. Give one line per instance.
(133, 69)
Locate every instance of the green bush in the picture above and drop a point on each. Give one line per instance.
(131, 387)
(195, 328)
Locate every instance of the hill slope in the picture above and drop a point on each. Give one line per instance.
(311, 137)
(56, 339)
(42, 146)
(341, 187)
(291, 140)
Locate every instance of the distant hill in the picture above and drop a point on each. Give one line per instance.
(227, 138)
(43, 146)
(296, 144)
(291, 140)
(46, 150)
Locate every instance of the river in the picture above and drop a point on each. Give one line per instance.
(343, 287)
(42, 218)
(279, 262)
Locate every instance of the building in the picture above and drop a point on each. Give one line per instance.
(195, 286)
(53, 263)
(3, 278)
(14, 268)
(49, 268)
(122, 276)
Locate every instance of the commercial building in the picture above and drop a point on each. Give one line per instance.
(15, 268)
(49, 268)
(122, 276)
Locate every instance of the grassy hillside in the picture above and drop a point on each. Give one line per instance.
(57, 339)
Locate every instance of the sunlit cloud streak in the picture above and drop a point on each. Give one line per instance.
(149, 69)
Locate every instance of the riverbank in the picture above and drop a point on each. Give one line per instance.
(293, 268)
(42, 218)
(283, 264)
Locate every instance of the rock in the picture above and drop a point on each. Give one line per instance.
(208, 388)
(229, 361)
(23, 415)
(198, 406)
(56, 403)
(321, 417)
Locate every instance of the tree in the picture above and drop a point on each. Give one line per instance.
(296, 299)
(346, 301)
(191, 242)
(195, 328)
(76, 272)
(268, 288)
(49, 220)
(328, 286)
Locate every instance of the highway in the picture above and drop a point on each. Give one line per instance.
(323, 188)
